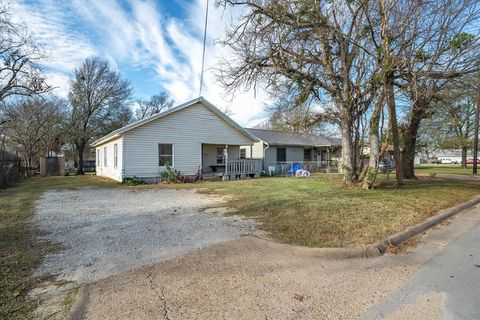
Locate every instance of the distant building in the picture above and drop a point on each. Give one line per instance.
(450, 156)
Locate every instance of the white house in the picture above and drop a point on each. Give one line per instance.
(194, 137)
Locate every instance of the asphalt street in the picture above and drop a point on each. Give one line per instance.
(446, 287)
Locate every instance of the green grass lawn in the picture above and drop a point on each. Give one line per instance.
(323, 212)
(442, 168)
(21, 251)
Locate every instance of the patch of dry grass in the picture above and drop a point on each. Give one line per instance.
(323, 212)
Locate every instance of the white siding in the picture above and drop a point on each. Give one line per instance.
(110, 171)
(256, 151)
(186, 129)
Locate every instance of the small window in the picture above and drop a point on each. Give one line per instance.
(307, 154)
(115, 155)
(104, 156)
(165, 155)
(220, 155)
(281, 155)
(243, 153)
(98, 157)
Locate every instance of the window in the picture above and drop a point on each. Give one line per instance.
(165, 155)
(98, 157)
(243, 153)
(281, 155)
(115, 155)
(104, 156)
(307, 154)
(220, 155)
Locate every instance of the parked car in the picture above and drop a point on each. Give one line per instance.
(385, 165)
(446, 161)
(470, 161)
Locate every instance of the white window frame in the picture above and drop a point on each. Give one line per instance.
(105, 153)
(172, 155)
(115, 155)
(244, 150)
(222, 154)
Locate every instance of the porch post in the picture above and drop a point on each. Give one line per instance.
(328, 160)
(251, 151)
(226, 159)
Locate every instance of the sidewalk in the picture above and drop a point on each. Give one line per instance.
(447, 287)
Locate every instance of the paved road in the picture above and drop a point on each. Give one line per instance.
(446, 287)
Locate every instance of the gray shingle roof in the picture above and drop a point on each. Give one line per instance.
(294, 139)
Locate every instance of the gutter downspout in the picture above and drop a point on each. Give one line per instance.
(122, 175)
(268, 146)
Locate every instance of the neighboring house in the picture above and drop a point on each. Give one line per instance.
(194, 138)
(451, 156)
(280, 150)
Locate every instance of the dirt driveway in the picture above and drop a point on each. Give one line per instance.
(108, 231)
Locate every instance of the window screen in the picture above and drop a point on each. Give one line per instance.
(165, 154)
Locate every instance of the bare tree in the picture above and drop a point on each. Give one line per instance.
(20, 74)
(441, 56)
(29, 125)
(156, 104)
(97, 94)
(451, 123)
(285, 115)
(313, 49)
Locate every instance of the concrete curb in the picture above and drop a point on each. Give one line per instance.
(397, 239)
(379, 248)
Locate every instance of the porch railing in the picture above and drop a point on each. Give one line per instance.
(243, 166)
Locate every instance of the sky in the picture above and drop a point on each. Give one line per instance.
(156, 45)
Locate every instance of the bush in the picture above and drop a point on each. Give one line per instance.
(133, 181)
(173, 176)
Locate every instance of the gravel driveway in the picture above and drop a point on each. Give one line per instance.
(109, 231)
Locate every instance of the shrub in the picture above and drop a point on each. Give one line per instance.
(133, 181)
(173, 176)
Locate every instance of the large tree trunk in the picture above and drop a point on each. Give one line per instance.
(80, 150)
(392, 122)
(374, 140)
(410, 137)
(464, 156)
(348, 151)
(388, 73)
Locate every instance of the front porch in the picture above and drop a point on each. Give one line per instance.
(228, 162)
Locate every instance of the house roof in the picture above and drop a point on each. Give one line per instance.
(202, 100)
(294, 139)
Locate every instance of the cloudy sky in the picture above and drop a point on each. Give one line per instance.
(157, 45)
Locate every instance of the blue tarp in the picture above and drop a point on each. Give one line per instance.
(295, 168)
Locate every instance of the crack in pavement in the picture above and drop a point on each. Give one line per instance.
(161, 295)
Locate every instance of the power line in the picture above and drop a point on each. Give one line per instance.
(203, 53)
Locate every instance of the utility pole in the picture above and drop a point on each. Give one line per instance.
(475, 133)
(203, 52)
